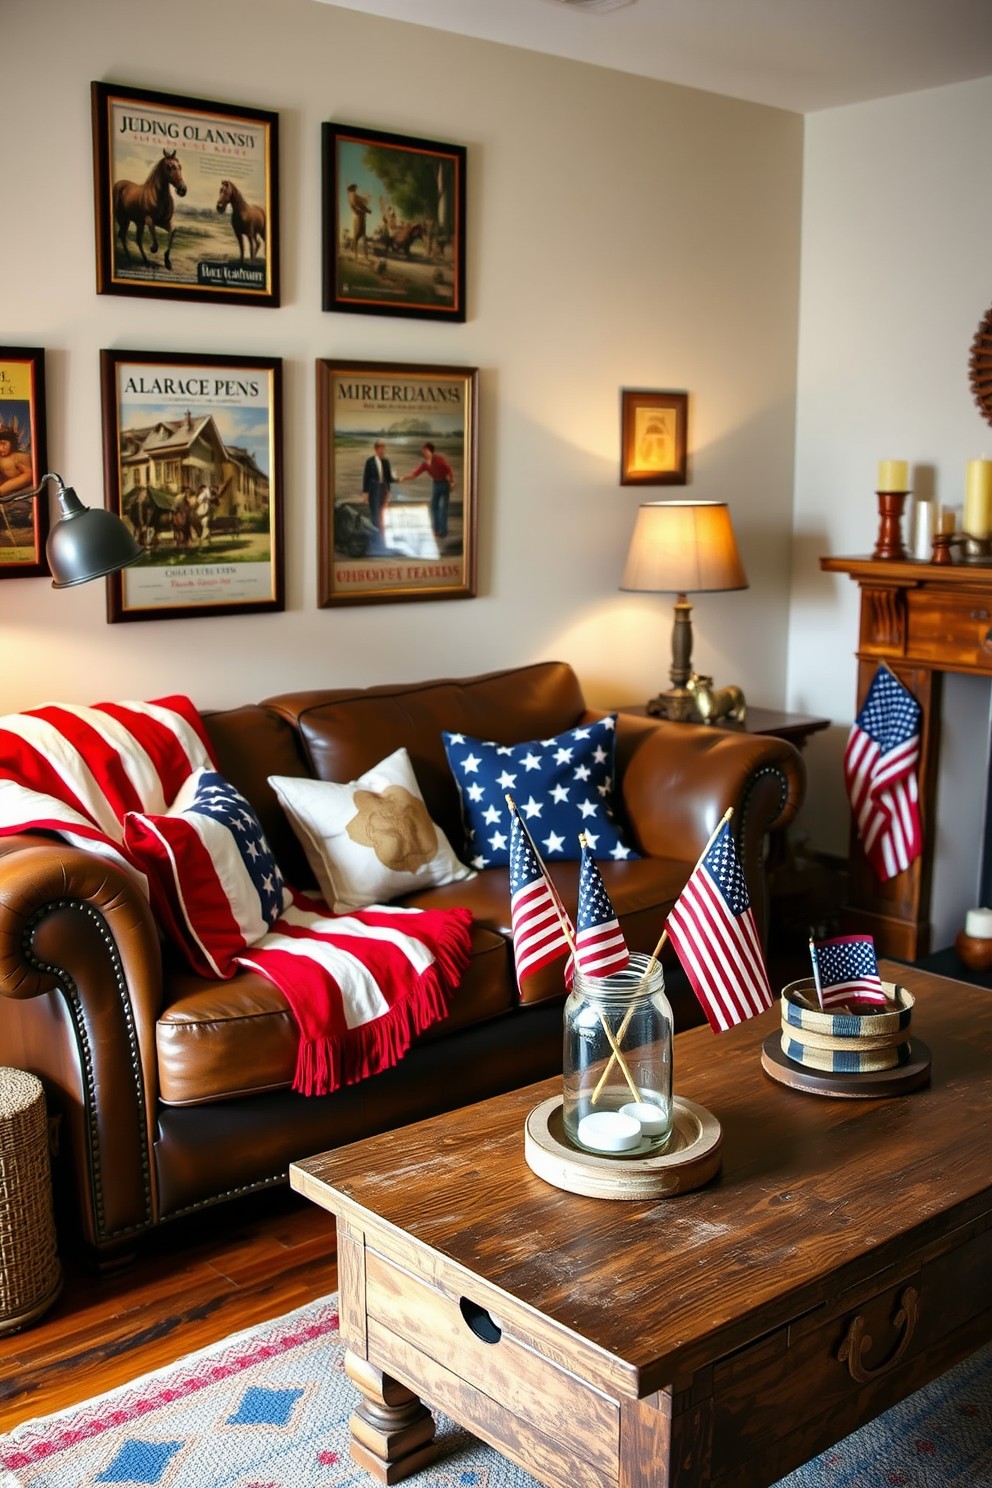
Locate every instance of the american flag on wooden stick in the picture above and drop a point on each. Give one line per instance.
(880, 765)
(600, 948)
(714, 935)
(536, 915)
(845, 970)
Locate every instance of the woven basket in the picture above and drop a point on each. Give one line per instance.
(800, 1009)
(30, 1275)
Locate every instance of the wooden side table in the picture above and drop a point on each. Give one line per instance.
(795, 727)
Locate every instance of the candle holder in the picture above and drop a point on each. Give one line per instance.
(890, 544)
(976, 550)
(942, 547)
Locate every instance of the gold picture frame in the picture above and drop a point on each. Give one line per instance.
(653, 438)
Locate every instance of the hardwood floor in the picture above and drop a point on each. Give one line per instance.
(195, 1282)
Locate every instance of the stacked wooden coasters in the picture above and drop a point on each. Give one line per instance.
(843, 1043)
(850, 1055)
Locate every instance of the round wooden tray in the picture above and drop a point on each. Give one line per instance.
(691, 1158)
(877, 1083)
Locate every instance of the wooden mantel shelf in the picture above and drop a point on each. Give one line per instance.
(921, 619)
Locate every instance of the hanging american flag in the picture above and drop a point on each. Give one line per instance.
(539, 937)
(880, 765)
(845, 970)
(714, 935)
(600, 948)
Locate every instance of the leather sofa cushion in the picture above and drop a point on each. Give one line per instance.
(221, 1039)
(345, 733)
(642, 891)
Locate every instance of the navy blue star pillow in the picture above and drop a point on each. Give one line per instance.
(561, 787)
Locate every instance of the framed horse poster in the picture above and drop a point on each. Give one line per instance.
(398, 469)
(394, 224)
(187, 197)
(192, 449)
(23, 461)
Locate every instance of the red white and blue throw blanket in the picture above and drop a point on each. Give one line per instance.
(360, 986)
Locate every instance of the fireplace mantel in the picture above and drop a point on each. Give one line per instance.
(922, 619)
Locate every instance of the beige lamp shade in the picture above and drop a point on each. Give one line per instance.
(683, 547)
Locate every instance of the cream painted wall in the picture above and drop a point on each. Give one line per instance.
(622, 232)
(896, 277)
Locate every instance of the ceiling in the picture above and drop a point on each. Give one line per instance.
(802, 55)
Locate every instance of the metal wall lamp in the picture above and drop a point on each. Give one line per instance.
(86, 542)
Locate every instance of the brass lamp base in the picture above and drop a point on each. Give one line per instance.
(678, 705)
(700, 702)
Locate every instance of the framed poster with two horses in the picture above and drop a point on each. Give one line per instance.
(23, 523)
(394, 225)
(192, 449)
(187, 196)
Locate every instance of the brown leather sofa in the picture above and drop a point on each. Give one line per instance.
(174, 1092)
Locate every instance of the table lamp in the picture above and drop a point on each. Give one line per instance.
(682, 547)
(86, 542)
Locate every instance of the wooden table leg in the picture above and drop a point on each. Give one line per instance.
(392, 1432)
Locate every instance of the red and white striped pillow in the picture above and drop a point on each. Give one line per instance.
(213, 881)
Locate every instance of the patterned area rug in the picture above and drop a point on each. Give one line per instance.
(269, 1408)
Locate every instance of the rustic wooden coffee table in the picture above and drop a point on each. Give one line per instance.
(842, 1258)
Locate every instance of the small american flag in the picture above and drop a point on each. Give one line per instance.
(880, 764)
(539, 937)
(845, 969)
(600, 948)
(714, 935)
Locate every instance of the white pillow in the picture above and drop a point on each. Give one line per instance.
(371, 840)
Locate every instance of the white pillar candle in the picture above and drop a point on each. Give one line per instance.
(924, 526)
(978, 923)
(608, 1131)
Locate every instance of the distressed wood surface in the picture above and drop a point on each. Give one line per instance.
(814, 1196)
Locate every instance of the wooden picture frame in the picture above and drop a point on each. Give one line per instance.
(391, 532)
(202, 180)
(653, 438)
(394, 224)
(23, 461)
(193, 464)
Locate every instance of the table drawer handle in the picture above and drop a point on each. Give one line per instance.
(482, 1323)
(857, 1342)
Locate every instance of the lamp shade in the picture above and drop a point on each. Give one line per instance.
(683, 547)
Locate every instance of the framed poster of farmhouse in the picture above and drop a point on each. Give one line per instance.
(187, 197)
(193, 464)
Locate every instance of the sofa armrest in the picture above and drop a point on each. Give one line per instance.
(677, 779)
(80, 991)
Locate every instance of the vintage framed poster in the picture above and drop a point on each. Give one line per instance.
(394, 224)
(187, 197)
(653, 438)
(23, 461)
(397, 451)
(193, 463)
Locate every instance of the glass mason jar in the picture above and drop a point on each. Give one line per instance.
(630, 1012)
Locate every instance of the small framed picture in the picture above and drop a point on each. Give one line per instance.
(23, 461)
(397, 450)
(653, 438)
(394, 225)
(193, 464)
(187, 197)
